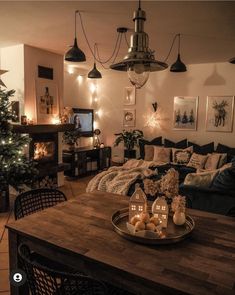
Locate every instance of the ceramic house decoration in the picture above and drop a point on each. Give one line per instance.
(137, 203)
(160, 210)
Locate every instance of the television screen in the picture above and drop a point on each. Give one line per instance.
(83, 120)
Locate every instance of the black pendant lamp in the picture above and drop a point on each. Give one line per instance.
(75, 54)
(94, 73)
(178, 66)
(232, 60)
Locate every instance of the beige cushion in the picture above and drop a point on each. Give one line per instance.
(212, 161)
(223, 159)
(181, 156)
(148, 152)
(203, 179)
(162, 154)
(197, 161)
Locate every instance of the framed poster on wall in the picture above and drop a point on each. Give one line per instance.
(47, 101)
(129, 118)
(185, 112)
(219, 113)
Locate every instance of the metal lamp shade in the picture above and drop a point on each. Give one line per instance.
(139, 52)
(232, 60)
(178, 66)
(75, 54)
(94, 73)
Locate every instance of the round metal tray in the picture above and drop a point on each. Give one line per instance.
(172, 234)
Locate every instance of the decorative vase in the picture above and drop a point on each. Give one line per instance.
(179, 218)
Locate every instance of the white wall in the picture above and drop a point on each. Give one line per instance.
(200, 80)
(12, 59)
(32, 58)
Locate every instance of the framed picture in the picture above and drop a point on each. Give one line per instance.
(129, 96)
(185, 112)
(47, 100)
(129, 118)
(219, 113)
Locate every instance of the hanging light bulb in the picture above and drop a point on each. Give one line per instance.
(140, 60)
(138, 75)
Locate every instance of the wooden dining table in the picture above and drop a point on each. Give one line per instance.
(79, 233)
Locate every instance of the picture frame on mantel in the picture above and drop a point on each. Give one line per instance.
(185, 112)
(129, 96)
(47, 102)
(220, 113)
(129, 118)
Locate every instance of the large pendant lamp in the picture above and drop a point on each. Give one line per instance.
(178, 66)
(140, 60)
(94, 73)
(75, 54)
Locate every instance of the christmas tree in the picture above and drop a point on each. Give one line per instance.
(184, 118)
(15, 168)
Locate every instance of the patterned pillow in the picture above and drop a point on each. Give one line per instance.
(162, 154)
(197, 161)
(212, 161)
(181, 156)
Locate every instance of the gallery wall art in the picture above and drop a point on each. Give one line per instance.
(219, 113)
(185, 112)
(129, 118)
(129, 95)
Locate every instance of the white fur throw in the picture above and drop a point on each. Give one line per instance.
(117, 179)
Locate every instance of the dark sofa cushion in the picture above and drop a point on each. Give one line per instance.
(202, 149)
(179, 145)
(221, 148)
(143, 142)
(225, 180)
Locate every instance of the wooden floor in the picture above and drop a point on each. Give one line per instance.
(71, 189)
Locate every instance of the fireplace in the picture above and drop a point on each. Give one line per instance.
(44, 148)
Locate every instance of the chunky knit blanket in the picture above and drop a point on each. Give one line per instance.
(118, 179)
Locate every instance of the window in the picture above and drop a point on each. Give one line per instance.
(158, 207)
(133, 207)
(140, 208)
(164, 208)
(163, 216)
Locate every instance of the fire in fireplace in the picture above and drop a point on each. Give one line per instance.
(44, 151)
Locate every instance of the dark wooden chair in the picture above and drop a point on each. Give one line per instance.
(36, 200)
(42, 279)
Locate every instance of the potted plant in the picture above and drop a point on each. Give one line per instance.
(130, 139)
(71, 138)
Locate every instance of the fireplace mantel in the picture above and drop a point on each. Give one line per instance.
(43, 128)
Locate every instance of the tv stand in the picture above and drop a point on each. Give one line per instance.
(86, 160)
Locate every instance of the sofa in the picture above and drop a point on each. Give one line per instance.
(217, 197)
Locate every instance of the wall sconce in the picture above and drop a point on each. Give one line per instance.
(155, 106)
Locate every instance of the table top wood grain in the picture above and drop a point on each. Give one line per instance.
(201, 264)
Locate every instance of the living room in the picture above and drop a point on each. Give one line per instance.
(139, 111)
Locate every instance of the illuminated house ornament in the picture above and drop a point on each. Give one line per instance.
(75, 54)
(140, 60)
(160, 210)
(137, 203)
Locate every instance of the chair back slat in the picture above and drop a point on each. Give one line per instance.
(37, 200)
